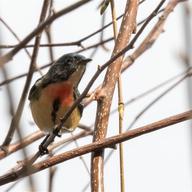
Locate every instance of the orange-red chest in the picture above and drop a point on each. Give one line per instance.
(63, 91)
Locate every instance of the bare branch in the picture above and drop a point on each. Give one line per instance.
(16, 174)
(7, 57)
(21, 144)
(17, 116)
(103, 108)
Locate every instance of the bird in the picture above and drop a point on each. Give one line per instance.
(55, 92)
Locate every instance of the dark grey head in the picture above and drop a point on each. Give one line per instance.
(70, 66)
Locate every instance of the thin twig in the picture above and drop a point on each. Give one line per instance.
(21, 144)
(64, 142)
(36, 136)
(101, 43)
(120, 103)
(18, 39)
(126, 63)
(23, 75)
(12, 186)
(154, 101)
(102, 32)
(48, 32)
(74, 43)
(17, 116)
(52, 171)
(81, 157)
(151, 90)
(7, 57)
(15, 35)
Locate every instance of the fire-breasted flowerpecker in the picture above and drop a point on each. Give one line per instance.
(54, 93)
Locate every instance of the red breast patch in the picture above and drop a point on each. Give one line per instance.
(64, 91)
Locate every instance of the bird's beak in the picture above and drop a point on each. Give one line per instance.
(86, 60)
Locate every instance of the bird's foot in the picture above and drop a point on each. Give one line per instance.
(56, 132)
(42, 149)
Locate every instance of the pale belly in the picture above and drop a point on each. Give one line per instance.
(41, 112)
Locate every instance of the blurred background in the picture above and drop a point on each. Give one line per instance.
(159, 161)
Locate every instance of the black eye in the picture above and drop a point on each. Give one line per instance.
(68, 60)
(75, 57)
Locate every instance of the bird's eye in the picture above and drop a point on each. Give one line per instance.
(68, 60)
(76, 58)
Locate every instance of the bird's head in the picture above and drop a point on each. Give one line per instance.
(68, 67)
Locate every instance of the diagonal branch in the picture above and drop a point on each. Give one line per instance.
(7, 57)
(17, 116)
(125, 64)
(16, 174)
(21, 144)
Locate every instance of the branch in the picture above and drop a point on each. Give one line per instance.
(21, 144)
(156, 99)
(7, 57)
(15, 173)
(103, 108)
(23, 75)
(14, 34)
(152, 36)
(17, 116)
(143, 47)
(125, 62)
(120, 105)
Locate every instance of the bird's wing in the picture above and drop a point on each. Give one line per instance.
(34, 92)
(76, 95)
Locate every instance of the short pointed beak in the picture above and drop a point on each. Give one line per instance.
(85, 61)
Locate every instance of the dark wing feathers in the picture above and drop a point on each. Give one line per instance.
(76, 95)
(34, 92)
